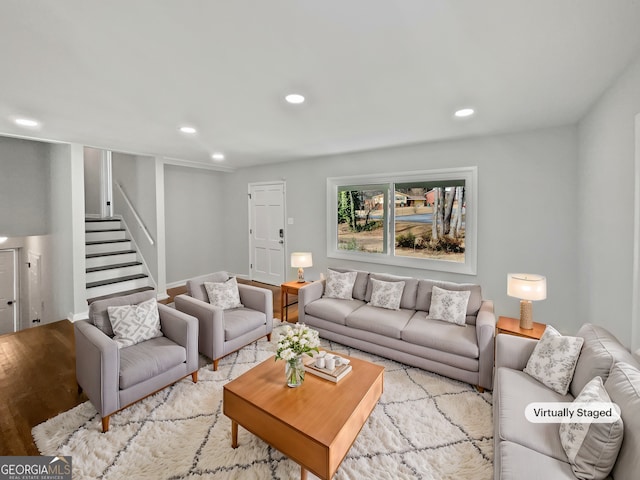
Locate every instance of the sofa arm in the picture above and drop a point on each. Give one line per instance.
(97, 367)
(182, 329)
(513, 351)
(308, 294)
(485, 333)
(210, 323)
(257, 298)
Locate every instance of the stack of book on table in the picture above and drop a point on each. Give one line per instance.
(334, 375)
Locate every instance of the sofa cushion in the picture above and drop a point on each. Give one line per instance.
(223, 295)
(517, 462)
(148, 359)
(332, 309)
(386, 294)
(408, 294)
(600, 351)
(340, 284)
(423, 298)
(591, 447)
(389, 323)
(443, 336)
(516, 391)
(623, 387)
(360, 285)
(239, 321)
(196, 288)
(449, 306)
(132, 324)
(554, 359)
(99, 316)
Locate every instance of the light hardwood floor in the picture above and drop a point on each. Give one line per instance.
(38, 377)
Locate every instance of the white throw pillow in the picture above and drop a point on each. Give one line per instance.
(592, 448)
(224, 295)
(449, 305)
(133, 324)
(340, 285)
(386, 294)
(554, 359)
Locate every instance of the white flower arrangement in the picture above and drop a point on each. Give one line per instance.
(294, 340)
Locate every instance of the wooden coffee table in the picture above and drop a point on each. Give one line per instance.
(314, 424)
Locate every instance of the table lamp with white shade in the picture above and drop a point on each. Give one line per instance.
(527, 287)
(301, 260)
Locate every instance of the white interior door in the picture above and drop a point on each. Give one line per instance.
(8, 292)
(35, 295)
(266, 232)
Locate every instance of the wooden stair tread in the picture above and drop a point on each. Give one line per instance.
(99, 242)
(111, 281)
(112, 219)
(113, 266)
(119, 294)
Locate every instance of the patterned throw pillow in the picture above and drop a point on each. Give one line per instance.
(133, 324)
(386, 294)
(592, 448)
(554, 359)
(224, 295)
(340, 285)
(449, 305)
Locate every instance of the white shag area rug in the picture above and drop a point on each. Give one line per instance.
(424, 427)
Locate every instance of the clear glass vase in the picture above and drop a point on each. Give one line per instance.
(294, 371)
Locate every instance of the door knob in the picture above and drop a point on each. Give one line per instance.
(10, 302)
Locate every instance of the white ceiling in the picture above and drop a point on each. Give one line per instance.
(124, 75)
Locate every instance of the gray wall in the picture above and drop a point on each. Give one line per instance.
(527, 211)
(92, 180)
(24, 187)
(137, 175)
(195, 208)
(606, 199)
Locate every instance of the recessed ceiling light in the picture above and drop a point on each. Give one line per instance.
(464, 112)
(218, 156)
(294, 98)
(190, 130)
(26, 122)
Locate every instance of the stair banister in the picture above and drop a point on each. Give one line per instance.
(135, 214)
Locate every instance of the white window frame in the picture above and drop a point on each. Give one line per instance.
(470, 177)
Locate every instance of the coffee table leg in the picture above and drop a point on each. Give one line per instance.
(303, 473)
(234, 434)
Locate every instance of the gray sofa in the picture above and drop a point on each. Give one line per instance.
(464, 353)
(525, 450)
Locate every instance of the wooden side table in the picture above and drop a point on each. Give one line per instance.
(511, 326)
(286, 289)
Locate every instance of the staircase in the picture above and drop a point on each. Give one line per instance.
(113, 265)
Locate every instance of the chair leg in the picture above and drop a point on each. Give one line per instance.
(194, 377)
(268, 337)
(480, 389)
(105, 423)
(215, 364)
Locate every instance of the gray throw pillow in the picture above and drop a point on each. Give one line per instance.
(592, 448)
(340, 285)
(133, 324)
(224, 295)
(449, 306)
(386, 294)
(554, 359)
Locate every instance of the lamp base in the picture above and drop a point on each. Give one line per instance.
(300, 275)
(526, 315)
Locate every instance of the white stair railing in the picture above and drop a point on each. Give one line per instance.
(135, 214)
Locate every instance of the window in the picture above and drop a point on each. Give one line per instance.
(430, 222)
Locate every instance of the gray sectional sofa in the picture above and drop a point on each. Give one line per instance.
(532, 451)
(464, 353)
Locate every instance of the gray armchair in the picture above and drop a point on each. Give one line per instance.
(115, 378)
(225, 331)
